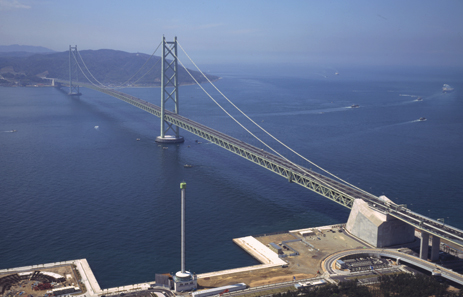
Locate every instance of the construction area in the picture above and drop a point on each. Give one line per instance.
(41, 281)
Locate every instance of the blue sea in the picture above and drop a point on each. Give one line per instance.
(75, 182)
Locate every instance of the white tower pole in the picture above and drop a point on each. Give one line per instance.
(183, 187)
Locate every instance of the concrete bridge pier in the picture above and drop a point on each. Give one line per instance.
(424, 245)
(435, 248)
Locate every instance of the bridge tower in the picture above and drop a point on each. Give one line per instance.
(169, 90)
(73, 71)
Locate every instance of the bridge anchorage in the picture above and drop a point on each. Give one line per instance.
(73, 71)
(169, 90)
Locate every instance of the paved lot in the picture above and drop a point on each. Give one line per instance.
(303, 266)
(314, 249)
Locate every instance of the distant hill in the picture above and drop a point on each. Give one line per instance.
(16, 48)
(110, 67)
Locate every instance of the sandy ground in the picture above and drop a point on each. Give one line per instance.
(253, 278)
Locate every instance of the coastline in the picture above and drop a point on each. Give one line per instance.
(127, 87)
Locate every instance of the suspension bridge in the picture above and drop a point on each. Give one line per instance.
(334, 189)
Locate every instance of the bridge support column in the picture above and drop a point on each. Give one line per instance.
(435, 248)
(169, 90)
(73, 72)
(424, 245)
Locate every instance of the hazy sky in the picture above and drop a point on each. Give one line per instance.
(415, 32)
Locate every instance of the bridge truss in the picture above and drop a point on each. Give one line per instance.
(320, 184)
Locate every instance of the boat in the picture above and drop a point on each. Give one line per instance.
(138, 139)
(187, 166)
(419, 99)
(446, 88)
(354, 106)
(422, 119)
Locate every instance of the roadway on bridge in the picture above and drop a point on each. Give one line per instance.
(323, 185)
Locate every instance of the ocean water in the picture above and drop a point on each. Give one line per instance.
(75, 182)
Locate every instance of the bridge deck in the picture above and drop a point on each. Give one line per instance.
(325, 186)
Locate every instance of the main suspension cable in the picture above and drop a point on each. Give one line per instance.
(102, 85)
(143, 74)
(121, 85)
(265, 131)
(247, 130)
(75, 58)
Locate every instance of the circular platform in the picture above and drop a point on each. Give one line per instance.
(184, 276)
(169, 139)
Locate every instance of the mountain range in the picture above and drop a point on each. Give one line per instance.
(16, 48)
(109, 67)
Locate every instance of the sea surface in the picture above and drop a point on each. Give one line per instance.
(75, 182)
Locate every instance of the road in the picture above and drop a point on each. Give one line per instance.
(328, 263)
(334, 190)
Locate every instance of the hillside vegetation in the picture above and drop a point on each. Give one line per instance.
(110, 67)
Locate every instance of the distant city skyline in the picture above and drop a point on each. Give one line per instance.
(358, 32)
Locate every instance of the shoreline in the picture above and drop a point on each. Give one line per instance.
(286, 258)
(270, 263)
(117, 87)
